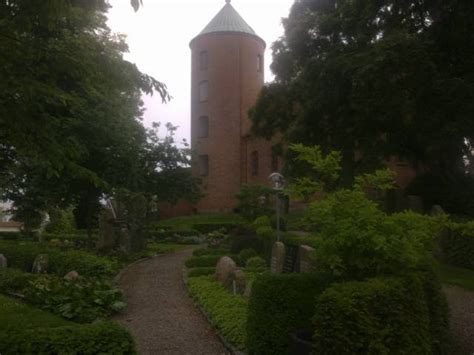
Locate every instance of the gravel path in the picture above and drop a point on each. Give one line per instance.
(160, 314)
(461, 304)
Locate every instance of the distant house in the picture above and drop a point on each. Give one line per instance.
(10, 227)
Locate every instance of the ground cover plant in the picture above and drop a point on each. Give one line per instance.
(454, 275)
(227, 312)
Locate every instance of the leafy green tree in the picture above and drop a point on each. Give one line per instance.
(70, 112)
(375, 77)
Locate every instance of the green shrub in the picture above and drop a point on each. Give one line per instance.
(201, 271)
(201, 261)
(15, 315)
(14, 280)
(251, 205)
(355, 240)
(227, 312)
(212, 227)
(267, 237)
(262, 221)
(245, 241)
(21, 255)
(380, 316)
(76, 240)
(457, 244)
(279, 305)
(99, 338)
(160, 235)
(255, 262)
(210, 251)
(10, 235)
(244, 255)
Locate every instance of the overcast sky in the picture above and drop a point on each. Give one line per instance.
(158, 36)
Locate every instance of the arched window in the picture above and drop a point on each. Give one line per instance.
(203, 127)
(254, 162)
(203, 91)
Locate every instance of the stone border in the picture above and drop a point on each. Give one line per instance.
(227, 345)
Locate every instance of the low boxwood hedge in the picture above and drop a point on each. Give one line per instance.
(15, 315)
(381, 316)
(457, 244)
(10, 235)
(99, 338)
(279, 305)
(203, 261)
(211, 227)
(210, 251)
(21, 255)
(201, 271)
(227, 312)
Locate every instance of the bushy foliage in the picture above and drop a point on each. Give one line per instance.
(356, 240)
(227, 312)
(61, 221)
(21, 255)
(213, 227)
(254, 201)
(209, 251)
(10, 236)
(98, 338)
(82, 300)
(201, 271)
(203, 261)
(14, 280)
(74, 240)
(457, 244)
(244, 255)
(279, 305)
(255, 262)
(382, 316)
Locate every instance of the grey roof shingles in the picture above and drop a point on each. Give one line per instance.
(228, 20)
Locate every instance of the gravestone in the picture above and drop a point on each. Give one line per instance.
(225, 270)
(305, 259)
(40, 265)
(3, 261)
(415, 203)
(437, 210)
(278, 257)
(71, 276)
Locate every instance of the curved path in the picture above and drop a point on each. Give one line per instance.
(160, 314)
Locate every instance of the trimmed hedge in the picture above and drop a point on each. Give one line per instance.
(227, 312)
(208, 251)
(457, 245)
(279, 305)
(170, 234)
(201, 271)
(203, 261)
(10, 235)
(15, 315)
(99, 338)
(212, 227)
(21, 255)
(381, 316)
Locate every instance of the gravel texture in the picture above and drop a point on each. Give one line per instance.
(160, 314)
(461, 304)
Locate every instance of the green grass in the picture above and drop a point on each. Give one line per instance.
(456, 276)
(188, 221)
(16, 315)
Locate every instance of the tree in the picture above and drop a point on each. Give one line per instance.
(70, 109)
(375, 77)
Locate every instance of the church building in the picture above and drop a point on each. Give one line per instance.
(227, 73)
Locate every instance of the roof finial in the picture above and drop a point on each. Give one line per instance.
(227, 1)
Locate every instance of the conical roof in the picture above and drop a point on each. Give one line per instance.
(228, 20)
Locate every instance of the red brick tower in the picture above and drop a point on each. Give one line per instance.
(226, 75)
